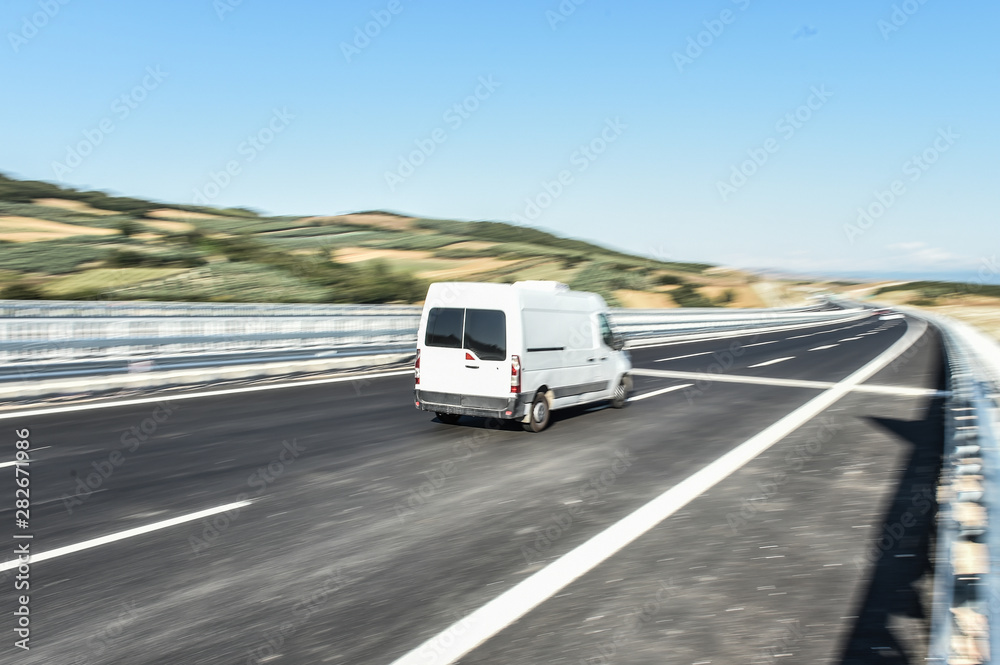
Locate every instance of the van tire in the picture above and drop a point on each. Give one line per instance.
(539, 413)
(620, 396)
(448, 418)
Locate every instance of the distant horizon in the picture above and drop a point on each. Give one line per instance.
(988, 272)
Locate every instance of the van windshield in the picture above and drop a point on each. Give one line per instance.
(482, 331)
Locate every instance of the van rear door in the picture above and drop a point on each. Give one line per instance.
(465, 352)
(487, 369)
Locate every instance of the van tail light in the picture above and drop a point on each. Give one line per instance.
(515, 374)
(416, 369)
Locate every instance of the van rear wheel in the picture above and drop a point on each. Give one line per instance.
(539, 414)
(448, 418)
(620, 397)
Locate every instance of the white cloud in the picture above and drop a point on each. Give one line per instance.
(920, 254)
(907, 246)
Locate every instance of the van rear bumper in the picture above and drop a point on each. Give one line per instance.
(512, 407)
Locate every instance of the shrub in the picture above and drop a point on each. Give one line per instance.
(128, 227)
(686, 295)
(22, 291)
(126, 258)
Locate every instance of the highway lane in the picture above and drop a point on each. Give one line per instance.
(57, 369)
(388, 525)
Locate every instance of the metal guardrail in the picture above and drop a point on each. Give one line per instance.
(75, 339)
(51, 339)
(965, 625)
(32, 309)
(29, 309)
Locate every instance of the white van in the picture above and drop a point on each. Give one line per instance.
(516, 351)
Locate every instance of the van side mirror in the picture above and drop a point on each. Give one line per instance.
(618, 343)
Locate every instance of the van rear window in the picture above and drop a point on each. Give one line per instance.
(482, 331)
(486, 333)
(444, 327)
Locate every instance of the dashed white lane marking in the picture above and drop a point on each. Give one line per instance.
(821, 348)
(208, 393)
(684, 339)
(848, 339)
(121, 535)
(705, 377)
(771, 362)
(2, 465)
(460, 638)
(690, 355)
(659, 392)
(747, 346)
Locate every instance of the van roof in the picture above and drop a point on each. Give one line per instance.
(526, 294)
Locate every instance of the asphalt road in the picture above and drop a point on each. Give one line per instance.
(372, 528)
(34, 371)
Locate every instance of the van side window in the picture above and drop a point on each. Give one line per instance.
(606, 335)
(444, 327)
(486, 333)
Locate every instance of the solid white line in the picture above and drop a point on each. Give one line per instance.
(828, 346)
(103, 540)
(690, 355)
(468, 633)
(771, 362)
(211, 393)
(659, 392)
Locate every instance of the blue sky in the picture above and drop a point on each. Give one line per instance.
(734, 131)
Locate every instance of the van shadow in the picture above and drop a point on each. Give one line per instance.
(556, 417)
(893, 623)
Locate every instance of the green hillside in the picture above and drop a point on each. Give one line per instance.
(62, 243)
